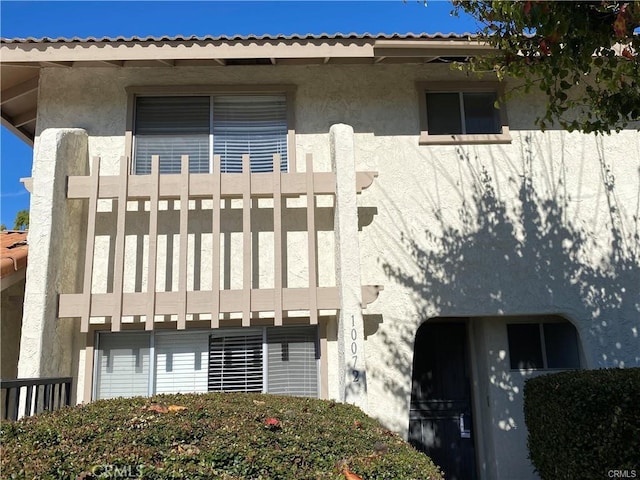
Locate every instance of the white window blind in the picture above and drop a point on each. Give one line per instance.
(171, 127)
(236, 361)
(181, 362)
(254, 125)
(122, 365)
(292, 361)
(187, 125)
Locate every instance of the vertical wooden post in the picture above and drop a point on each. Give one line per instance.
(246, 241)
(153, 242)
(118, 271)
(85, 315)
(311, 231)
(89, 353)
(277, 239)
(184, 235)
(215, 264)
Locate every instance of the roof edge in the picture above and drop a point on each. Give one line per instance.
(279, 36)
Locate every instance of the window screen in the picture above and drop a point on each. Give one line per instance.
(443, 113)
(480, 114)
(543, 345)
(293, 361)
(468, 113)
(235, 362)
(122, 365)
(181, 362)
(525, 348)
(561, 345)
(171, 127)
(256, 125)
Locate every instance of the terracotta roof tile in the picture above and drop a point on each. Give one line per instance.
(13, 252)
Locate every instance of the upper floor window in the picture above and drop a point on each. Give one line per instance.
(462, 113)
(202, 126)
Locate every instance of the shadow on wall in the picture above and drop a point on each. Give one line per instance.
(531, 258)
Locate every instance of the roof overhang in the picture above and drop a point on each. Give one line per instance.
(13, 257)
(22, 59)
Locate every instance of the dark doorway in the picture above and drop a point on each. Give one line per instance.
(440, 422)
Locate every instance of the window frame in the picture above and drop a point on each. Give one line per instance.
(540, 324)
(462, 139)
(211, 90)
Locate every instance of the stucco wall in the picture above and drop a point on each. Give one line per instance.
(55, 235)
(10, 323)
(543, 225)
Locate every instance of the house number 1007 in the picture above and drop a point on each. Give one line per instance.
(354, 351)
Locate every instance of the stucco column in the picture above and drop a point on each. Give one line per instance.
(351, 355)
(55, 230)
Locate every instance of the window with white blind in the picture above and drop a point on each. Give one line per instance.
(180, 362)
(236, 361)
(292, 356)
(280, 360)
(205, 125)
(122, 365)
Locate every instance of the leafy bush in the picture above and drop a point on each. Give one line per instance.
(584, 424)
(219, 435)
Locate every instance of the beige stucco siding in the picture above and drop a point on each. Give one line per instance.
(544, 225)
(11, 320)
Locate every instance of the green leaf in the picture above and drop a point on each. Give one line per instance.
(574, 31)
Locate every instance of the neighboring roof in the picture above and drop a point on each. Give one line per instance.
(22, 58)
(13, 255)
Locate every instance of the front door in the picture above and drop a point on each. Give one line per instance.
(440, 422)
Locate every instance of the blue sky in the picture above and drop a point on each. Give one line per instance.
(112, 18)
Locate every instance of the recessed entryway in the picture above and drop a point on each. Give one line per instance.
(440, 422)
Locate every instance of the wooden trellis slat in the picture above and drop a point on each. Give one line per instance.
(277, 241)
(311, 232)
(184, 232)
(153, 243)
(118, 271)
(85, 313)
(246, 241)
(216, 186)
(215, 239)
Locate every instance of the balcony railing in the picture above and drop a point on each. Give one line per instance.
(247, 187)
(41, 394)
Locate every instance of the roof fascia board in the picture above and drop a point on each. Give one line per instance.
(437, 48)
(77, 52)
(57, 52)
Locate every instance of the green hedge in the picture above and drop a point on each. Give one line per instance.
(224, 435)
(585, 424)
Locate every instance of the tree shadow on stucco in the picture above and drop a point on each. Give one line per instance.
(535, 260)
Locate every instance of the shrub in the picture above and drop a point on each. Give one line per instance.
(217, 435)
(584, 424)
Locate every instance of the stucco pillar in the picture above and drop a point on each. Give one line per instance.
(55, 229)
(351, 355)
